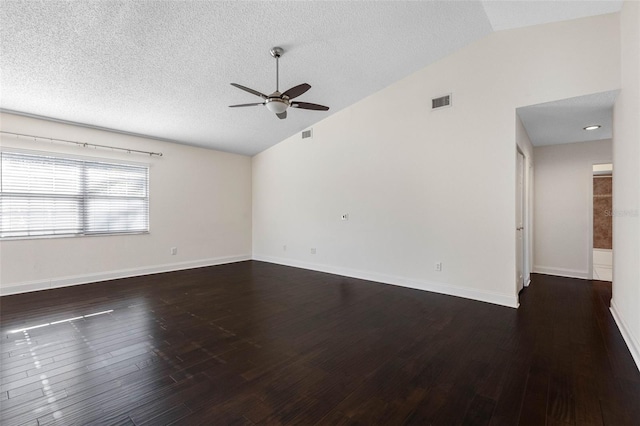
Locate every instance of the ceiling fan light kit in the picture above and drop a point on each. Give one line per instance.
(276, 105)
(279, 102)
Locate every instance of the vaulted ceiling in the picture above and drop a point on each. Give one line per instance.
(163, 68)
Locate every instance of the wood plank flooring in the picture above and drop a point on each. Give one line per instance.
(256, 343)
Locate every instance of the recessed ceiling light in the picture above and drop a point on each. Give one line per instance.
(594, 127)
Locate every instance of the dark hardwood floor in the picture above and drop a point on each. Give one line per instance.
(252, 342)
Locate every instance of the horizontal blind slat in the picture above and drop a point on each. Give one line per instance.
(46, 195)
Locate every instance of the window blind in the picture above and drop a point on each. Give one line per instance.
(48, 196)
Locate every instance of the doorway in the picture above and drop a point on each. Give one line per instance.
(602, 232)
(568, 137)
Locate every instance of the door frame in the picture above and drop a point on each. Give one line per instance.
(527, 221)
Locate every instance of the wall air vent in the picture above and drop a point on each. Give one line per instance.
(441, 102)
(307, 134)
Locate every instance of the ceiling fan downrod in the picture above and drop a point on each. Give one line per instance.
(276, 52)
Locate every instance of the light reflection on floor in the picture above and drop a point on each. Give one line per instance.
(59, 322)
(46, 388)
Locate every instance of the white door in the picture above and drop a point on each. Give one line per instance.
(519, 222)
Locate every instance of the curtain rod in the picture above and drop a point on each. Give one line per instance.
(83, 144)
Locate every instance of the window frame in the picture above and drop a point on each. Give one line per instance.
(84, 196)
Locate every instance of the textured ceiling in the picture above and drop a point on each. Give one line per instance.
(505, 15)
(163, 68)
(564, 121)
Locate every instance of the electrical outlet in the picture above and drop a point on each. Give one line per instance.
(439, 266)
(345, 216)
(313, 251)
(174, 251)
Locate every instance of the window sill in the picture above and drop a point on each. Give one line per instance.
(48, 237)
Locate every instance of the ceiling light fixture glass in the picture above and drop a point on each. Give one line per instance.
(594, 127)
(276, 105)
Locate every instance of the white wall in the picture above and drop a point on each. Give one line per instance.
(625, 304)
(563, 206)
(423, 187)
(200, 202)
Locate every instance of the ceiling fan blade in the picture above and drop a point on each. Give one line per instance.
(282, 115)
(306, 105)
(246, 89)
(245, 105)
(294, 92)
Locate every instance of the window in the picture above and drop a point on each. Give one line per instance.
(46, 195)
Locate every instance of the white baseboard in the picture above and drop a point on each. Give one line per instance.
(632, 343)
(465, 292)
(561, 272)
(25, 287)
(435, 287)
(603, 257)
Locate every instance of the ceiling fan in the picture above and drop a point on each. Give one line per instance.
(279, 102)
